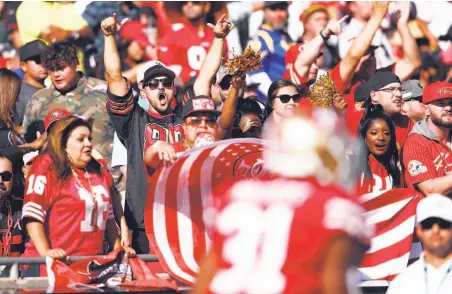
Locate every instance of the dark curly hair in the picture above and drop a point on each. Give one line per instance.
(60, 55)
(391, 158)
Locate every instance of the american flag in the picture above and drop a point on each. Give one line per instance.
(394, 245)
(177, 207)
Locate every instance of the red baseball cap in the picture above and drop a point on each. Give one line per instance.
(55, 115)
(436, 91)
(134, 30)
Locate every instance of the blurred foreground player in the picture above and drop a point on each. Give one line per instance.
(288, 233)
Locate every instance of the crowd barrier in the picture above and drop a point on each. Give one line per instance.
(13, 281)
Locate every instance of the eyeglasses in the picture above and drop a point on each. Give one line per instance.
(391, 90)
(286, 98)
(195, 121)
(6, 176)
(428, 223)
(154, 83)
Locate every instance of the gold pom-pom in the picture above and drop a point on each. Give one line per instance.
(250, 60)
(322, 91)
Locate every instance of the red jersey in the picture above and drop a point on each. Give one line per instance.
(274, 242)
(186, 46)
(425, 159)
(381, 179)
(66, 209)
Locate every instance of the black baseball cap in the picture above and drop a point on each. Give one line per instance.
(199, 104)
(32, 49)
(276, 4)
(157, 68)
(362, 92)
(380, 79)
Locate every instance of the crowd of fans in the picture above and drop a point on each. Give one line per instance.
(96, 96)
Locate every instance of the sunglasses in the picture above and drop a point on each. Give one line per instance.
(195, 121)
(428, 223)
(154, 83)
(6, 176)
(286, 98)
(225, 83)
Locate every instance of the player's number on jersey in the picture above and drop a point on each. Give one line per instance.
(256, 248)
(196, 55)
(36, 184)
(102, 206)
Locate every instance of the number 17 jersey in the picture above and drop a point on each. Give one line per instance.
(66, 209)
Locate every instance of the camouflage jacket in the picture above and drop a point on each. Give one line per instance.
(88, 99)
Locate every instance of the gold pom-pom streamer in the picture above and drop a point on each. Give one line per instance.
(322, 91)
(250, 60)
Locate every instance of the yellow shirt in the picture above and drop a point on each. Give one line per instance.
(33, 17)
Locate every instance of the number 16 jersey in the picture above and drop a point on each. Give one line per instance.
(72, 221)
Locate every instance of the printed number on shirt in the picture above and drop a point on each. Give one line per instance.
(196, 55)
(102, 207)
(36, 184)
(256, 247)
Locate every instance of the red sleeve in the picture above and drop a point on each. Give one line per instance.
(417, 160)
(336, 77)
(37, 199)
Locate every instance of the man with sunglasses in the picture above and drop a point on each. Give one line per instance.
(140, 129)
(34, 75)
(432, 272)
(426, 156)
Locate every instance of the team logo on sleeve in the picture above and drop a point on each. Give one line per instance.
(416, 167)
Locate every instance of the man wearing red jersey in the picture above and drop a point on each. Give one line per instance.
(301, 241)
(427, 155)
(187, 43)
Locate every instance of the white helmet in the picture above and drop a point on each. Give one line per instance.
(314, 142)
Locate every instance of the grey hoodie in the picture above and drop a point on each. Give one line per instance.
(421, 128)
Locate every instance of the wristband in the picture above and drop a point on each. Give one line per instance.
(325, 38)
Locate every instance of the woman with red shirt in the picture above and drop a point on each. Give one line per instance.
(380, 170)
(67, 205)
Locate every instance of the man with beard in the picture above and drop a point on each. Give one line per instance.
(12, 233)
(431, 272)
(272, 41)
(427, 155)
(139, 129)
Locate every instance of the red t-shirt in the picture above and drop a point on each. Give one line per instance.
(186, 46)
(66, 210)
(425, 159)
(273, 241)
(381, 180)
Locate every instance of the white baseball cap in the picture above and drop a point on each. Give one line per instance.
(434, 205)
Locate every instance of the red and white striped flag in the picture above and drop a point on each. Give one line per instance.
(395, 245)
(176, 214)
